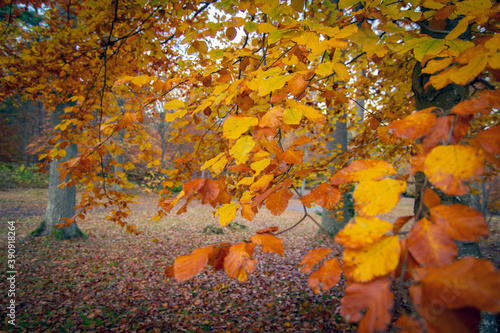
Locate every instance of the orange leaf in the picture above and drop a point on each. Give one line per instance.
(185, 267)
(325, 195)
(296, 84)
(326, 276)
(292, 156)
(269, 230)
(278, 202)
(209, 191)
(169, 271)
(193, 186)
(362, 170)
(301, 141)
(467, 282)
(312, 258)
(408, 325)
(483, 104)
(447, 167)
(461, 222)
(273, 117)
(377, 259)
(490, 139)
(231, 33)
(269, 243)
(415, 125)
(362, 231)
(430, 244)
(375, 296)
(406, 262)
(376, 197)
(431, 199)
(247, 212)
(239, 262)
(216, 258)
(400, 222)
(417, 163)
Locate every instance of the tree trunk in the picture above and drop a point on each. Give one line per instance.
(334, 221)
(119, 160)
(61, 201)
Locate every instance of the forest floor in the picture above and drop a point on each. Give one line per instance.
(114, 281)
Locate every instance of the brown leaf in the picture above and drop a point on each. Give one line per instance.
(268, 230)
(269, 243)
(327, 276)
(431, 199)
(376, 297)
(231, 33)
(360, 170)
(430, 244)
(209, 191)
(461, 222)
(185, 267)
(325, 195)
(312, 258)
(239, 262)
(483, 104)
(490, 139)
(292, 156)
(467, 282)
(297, 84)
(278, 201)
(415, 125)
(217, 256)
(400, 222)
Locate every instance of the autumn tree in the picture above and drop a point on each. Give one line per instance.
(257, 72)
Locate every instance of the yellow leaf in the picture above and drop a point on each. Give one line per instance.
(292, 116)
(245, 181)
(377, 197)
(448, 167)
(341, 71)
(260, 165)
(470, 71)
(266, 28)
(459, 29)
(378, 259)
(141, 80)
(273, 117)
(227, 212)
(309, 112)
(174, 105)
(172, 116)
(219, 166)
(362, 231)
(272, 83)
(434, 66)
(325, 68)
(261, 183)
(242, 148)
(211, 161)
(235, 126)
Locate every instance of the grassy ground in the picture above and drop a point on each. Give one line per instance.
(114, 281)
